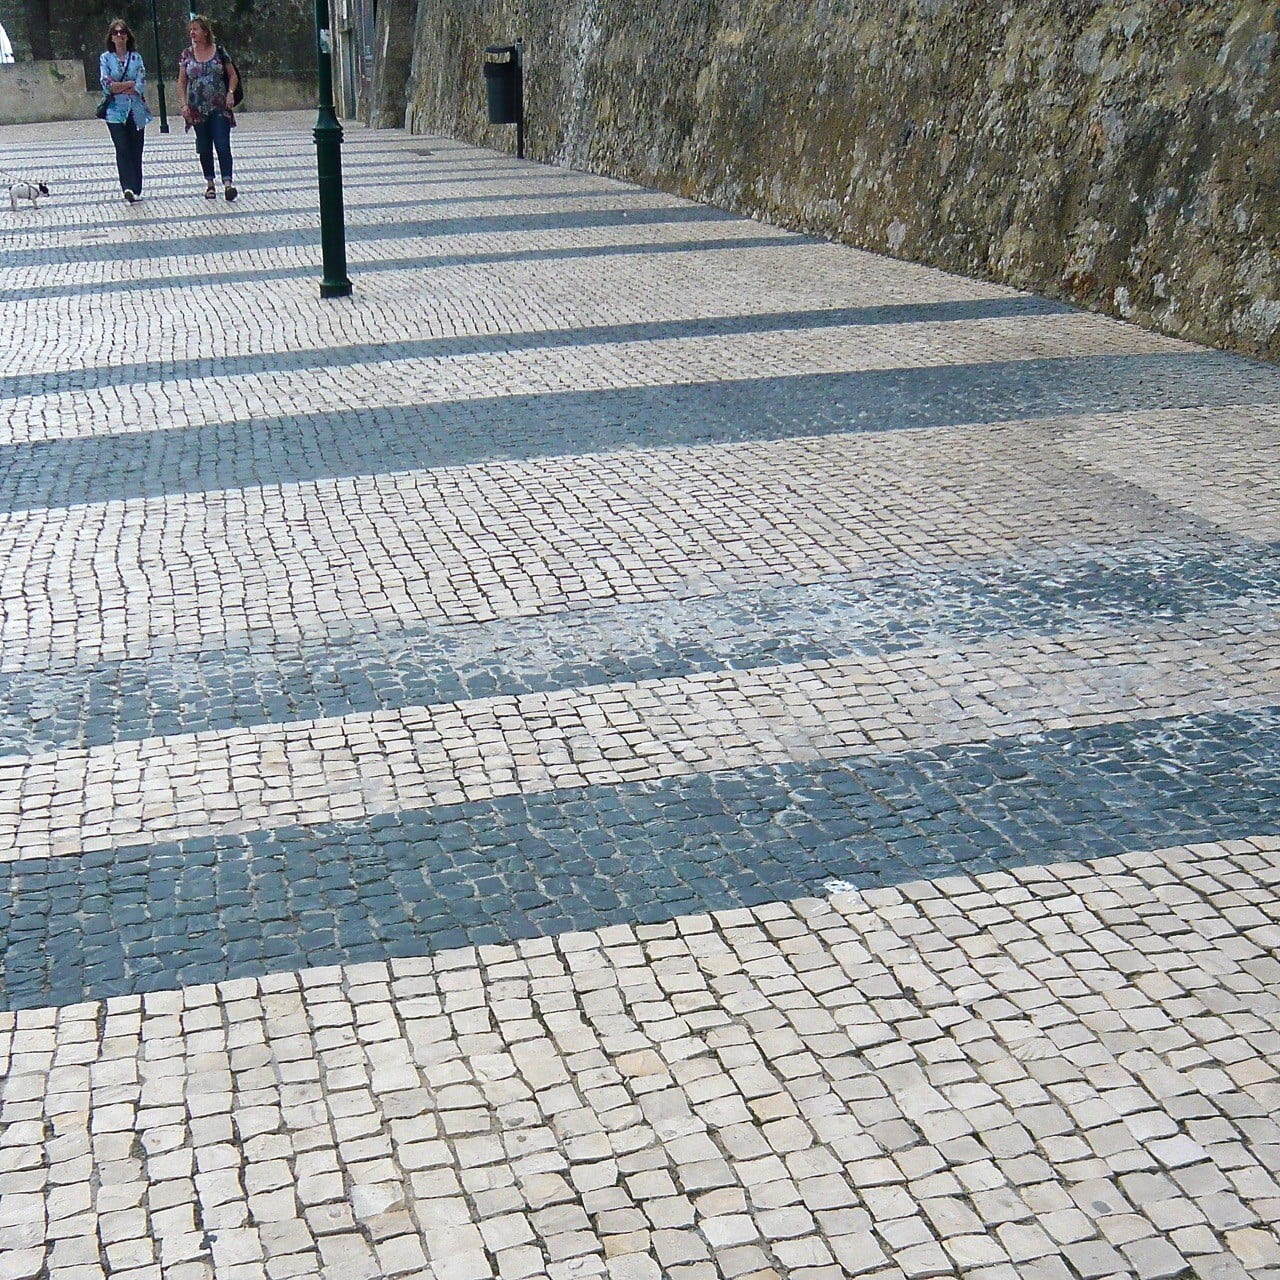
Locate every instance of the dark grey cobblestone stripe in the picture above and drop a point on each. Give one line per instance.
(95, 377)
(373, 266)
(302, 447)
(93, 705)
(206, 909)
(199, 246)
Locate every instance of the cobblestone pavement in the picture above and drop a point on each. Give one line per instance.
(639, 746)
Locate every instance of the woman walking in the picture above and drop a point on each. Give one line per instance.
(206, 86)
(124, 80)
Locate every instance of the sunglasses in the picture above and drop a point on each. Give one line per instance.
(118, 31)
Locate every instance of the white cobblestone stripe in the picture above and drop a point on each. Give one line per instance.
(157, 402)
(997, 1076)
(1169, 455)
(180, 786)
(414, 272)
(511, 539)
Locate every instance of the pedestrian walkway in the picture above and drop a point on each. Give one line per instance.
(639, 745)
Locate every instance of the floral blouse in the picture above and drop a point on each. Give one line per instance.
(206, 85)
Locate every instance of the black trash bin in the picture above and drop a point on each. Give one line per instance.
(502, 83)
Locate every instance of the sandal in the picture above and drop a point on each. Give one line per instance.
(210, 192)
(230, 192)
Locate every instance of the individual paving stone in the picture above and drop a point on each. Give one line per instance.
(1155, 1258)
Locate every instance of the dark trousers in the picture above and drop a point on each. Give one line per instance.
(214, 131)
(128, 140)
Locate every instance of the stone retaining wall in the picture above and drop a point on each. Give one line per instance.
(1119, 155)
(35, 92)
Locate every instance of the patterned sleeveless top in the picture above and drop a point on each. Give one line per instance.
(206, 84)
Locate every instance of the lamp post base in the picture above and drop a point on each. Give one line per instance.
(333, 238)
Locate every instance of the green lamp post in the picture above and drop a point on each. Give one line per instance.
(155, 33)
(328, 136)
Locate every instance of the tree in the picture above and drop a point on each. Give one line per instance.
(39, 30)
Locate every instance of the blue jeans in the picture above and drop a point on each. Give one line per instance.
(214, 131)
(128, 140)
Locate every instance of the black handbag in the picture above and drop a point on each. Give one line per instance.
(101, 112)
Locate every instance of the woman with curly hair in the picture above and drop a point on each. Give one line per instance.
(207, 82)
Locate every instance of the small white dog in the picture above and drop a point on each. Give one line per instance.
(23, 190)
